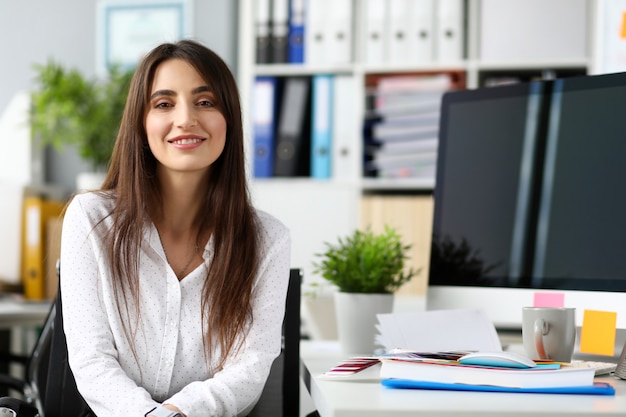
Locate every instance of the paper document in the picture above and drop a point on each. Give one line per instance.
(438, 330)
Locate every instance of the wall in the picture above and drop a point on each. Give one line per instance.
(36, 30)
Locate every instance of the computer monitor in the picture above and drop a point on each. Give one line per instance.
(530, 197)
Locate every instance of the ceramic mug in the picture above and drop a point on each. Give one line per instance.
(549, 333)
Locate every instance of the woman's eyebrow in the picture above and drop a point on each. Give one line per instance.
(201, 89)
(171, 93)
(159, 93)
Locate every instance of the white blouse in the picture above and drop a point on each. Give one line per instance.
(169, 363)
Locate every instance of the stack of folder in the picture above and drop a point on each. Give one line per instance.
(303, 32)
(403, 125)
(302, 127)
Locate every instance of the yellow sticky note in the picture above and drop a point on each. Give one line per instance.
(623, 28)
(597, 335)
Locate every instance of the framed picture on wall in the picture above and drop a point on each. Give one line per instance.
(127, 30)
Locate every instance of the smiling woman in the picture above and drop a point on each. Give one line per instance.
(159, 266)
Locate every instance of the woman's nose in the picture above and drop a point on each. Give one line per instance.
(186, 116)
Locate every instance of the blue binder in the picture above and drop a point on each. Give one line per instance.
(264, 116)
(321, 126)
(295, 46)
(598, 388)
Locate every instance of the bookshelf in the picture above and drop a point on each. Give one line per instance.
(318, 210)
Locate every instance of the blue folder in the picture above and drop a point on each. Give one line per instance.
(264, 125)
(598, 388)
(321, 125)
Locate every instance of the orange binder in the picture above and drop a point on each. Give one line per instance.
(37, 211)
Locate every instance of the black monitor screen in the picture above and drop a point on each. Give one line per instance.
(531, 186)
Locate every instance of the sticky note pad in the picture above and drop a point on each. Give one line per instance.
(549, 299)
(597, 335)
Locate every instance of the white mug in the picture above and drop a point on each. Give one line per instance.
(549, 333)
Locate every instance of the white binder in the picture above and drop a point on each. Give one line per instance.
(421, 33)
(450, 35)
(339, 35)
(315, 33)
(374, 45)
(345, 154)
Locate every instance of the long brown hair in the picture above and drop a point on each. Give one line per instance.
(226, 210)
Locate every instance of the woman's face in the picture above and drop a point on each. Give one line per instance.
(186, 132)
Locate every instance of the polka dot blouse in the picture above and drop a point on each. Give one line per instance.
(168, 363)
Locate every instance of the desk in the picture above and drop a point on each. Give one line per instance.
(22, 314)
(367, 398)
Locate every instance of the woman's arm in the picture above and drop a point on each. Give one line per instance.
(93, 354)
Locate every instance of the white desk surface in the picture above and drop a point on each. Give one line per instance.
(18, 313)
(368, 398)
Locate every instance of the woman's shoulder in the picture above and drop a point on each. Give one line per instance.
(270, 225)
(96, 205)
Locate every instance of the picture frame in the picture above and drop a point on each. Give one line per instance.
(127, 30)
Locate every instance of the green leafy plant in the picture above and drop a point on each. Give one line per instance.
(365, 262)
(69, 109)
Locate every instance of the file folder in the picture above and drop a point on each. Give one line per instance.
(374, 46)
(262, 32)
(345, 159)
(322, 122)
(279, 31)
(292, 151)
(37, 211)
(450, 34)
(264, 110)
(315, 34)
(598, 388)
(339, 31)
(295, 45)
(397, 30)
(420, 34)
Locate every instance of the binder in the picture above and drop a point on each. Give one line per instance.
(449, 32)
(295, 47)
(420, 43)
(264, 109)
(339, 31)
(279, 31)
(345, 158)
(374, 44)
(292, 151)
(37, 211)
(597, 388)
(397, 30)
(262, 32)
(321, 126)
(315, 34)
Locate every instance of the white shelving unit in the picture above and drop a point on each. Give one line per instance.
(318, 211)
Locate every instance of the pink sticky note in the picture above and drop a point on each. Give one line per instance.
(549, 299)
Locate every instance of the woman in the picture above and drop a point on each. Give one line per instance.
(173, 286)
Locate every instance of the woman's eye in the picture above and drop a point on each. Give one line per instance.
(162, 105)
(205, 103)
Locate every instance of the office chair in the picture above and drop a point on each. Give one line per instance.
(49, 389)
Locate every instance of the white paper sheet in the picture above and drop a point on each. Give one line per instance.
(438, 330)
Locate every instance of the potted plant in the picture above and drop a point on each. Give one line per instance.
(69, 109)
(367, 268)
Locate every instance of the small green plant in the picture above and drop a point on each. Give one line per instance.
(365, 262)
(69, 109)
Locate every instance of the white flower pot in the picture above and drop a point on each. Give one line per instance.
(356, 319)
(86, 181)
